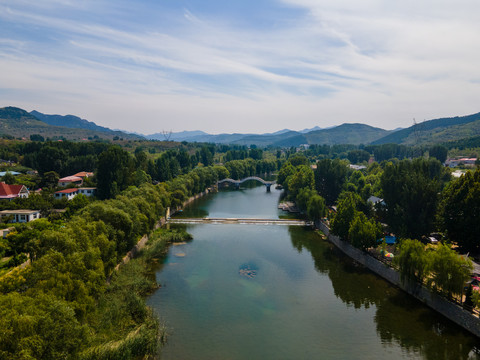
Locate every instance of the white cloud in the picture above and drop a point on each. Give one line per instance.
(378, 62)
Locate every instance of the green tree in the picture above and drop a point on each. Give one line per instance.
(363, 232)
(206, 156)
(286, 170)
(115, 172)
(222, 172)
(9, 178)
(438, 152)
(141, 177)
(50, 158)
(330, 176)
(37, 137)
(412, 260)
(346, 211)
(358, 156)
(460, 211)
(77, 203)
(449, 271)
(411, 194)
(302, 178)
(50, 179)
(141, 159)
(316, 208)
(298, 159)
(303, 197)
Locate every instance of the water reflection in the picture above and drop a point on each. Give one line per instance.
(434, 337)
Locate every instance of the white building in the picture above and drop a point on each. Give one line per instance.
(69, 194)
(21, 216)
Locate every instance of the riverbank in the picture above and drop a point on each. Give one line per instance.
(128, 289)
(448, 309)
(144, 239)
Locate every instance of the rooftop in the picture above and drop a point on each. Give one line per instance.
(70, 178)
(24, 211)
(67, 191)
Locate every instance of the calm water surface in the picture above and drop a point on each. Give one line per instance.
(279, 292)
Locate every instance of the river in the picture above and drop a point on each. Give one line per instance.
(279, 292)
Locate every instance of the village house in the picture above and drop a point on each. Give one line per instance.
(463, 161)
(20, 216)
(69, 194)
(76, 180)
(9, 192)
(87, 191)
(84, 174)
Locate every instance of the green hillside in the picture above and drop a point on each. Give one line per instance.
(435, 131)
(265, 140)
(21, 124)
(346, 134)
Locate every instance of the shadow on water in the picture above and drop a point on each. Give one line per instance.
(399, 318)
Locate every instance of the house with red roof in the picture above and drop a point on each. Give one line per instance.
(84, 174)
(77, 180)
(9, 192)
(69, 194)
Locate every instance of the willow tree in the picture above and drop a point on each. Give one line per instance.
(449, 270)
(412, 260)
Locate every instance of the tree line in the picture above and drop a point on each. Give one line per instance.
(60, 306)
(414, 198)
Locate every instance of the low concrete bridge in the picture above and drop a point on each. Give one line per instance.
(244, 221)
(237, 183)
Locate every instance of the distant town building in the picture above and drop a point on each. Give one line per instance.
(357, 167)
(20, 216)
(457, 173)
(464, 161)
(9, 192)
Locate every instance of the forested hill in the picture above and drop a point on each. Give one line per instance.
(19, 123)
(435, 131)
(70, 121)
(346, 134)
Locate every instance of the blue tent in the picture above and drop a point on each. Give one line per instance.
(389, 240)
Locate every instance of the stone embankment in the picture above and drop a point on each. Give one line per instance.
(438, 303)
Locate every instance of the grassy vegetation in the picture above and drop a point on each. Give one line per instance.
(126, 328)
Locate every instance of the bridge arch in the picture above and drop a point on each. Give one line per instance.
(237, 183)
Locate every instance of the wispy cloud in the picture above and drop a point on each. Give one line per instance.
(344, 61)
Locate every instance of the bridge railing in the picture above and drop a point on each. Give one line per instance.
(264, 182)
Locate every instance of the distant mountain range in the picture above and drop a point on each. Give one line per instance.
(19, 123)
(346, 133)
(428, 132)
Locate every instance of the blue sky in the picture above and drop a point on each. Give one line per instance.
(241, 66)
